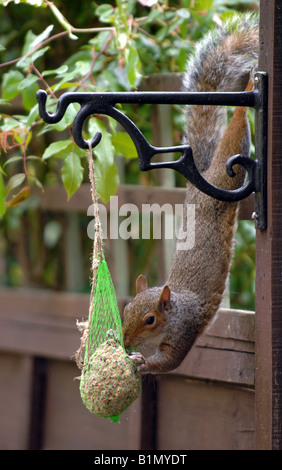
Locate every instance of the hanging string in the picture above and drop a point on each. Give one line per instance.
(98, 253)
(97, 256)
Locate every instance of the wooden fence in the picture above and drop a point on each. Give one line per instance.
(227, 392)
(207, 403)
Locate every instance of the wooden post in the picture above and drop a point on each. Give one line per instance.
(269, 244)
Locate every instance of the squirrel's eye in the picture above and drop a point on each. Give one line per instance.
(150, 320)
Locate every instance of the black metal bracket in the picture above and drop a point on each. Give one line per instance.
(105, 103)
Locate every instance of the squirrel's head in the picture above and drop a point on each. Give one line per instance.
(144, 317)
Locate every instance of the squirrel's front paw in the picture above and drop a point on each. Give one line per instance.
(137, 357)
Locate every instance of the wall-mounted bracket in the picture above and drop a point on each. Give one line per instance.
(105, 103)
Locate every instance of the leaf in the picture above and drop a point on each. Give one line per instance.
(57, 149)
(59, 71)
(124, 145)
(35, 158)
(18, 158)
(133, 65)
(32, 40)
(28, 81)
(68, 118)
(105, 150)
(183, 13)
(25, 62)
(12, 160)
(10, 123)
(23, 136)
(62, 20)
(2, 196)
(122, 39)
(67, 77)
(33, 115)
(29, 97)
(203, 5)
(107, 181)
(10, 84)
(2, 171)
(21, 196)
(14, 181)
(72, 173)
(106, 13)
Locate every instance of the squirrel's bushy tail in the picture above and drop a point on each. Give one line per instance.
(222, 61)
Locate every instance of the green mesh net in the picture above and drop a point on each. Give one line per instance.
(109, 382)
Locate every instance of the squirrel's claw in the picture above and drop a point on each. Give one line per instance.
(141, 367)
(137, 357)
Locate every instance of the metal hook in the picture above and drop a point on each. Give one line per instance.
(104, 103)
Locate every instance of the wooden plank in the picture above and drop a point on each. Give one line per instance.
(162, 82)
(43, 323)
(149, 400)
(54, 198)
(218, 364)
(225, 352)
(238, 325)
(199, 415)
(269, 242)
(37, 400)
(70, 426)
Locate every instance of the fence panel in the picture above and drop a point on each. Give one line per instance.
(208, 402)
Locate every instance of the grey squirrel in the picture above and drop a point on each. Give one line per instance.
(163, 322)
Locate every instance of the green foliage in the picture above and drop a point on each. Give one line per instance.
(126, 41)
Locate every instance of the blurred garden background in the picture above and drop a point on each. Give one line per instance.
(46, 224)
(89, 46)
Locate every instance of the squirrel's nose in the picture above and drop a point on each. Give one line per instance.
(129, 341)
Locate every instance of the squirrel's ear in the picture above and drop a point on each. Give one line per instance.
(164, 299)
(141, 284)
